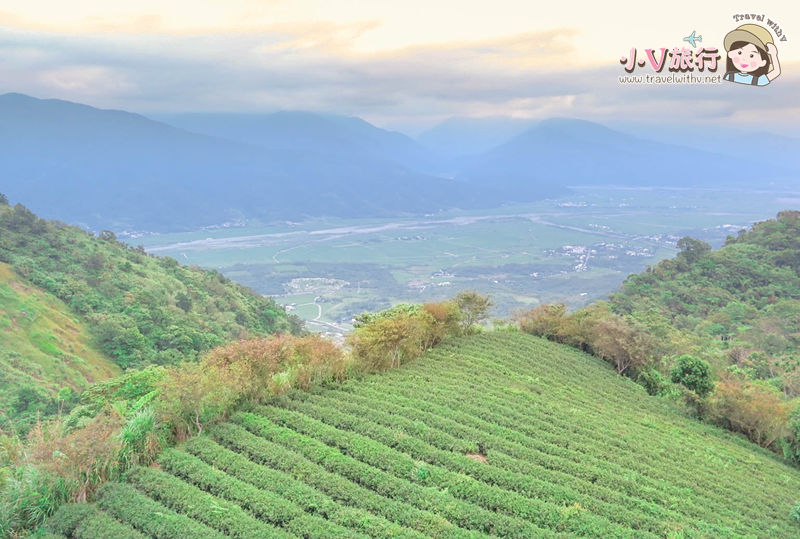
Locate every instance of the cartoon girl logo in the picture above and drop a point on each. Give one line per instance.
(752, 56)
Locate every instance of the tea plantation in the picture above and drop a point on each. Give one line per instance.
(499, 434)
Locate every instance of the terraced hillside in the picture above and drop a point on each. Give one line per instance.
(498, 434)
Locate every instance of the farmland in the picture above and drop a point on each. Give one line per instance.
(576, 250)
(499, 434)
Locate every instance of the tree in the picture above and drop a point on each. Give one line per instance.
(691, 249)
(183, 301)
(693, 373)
(3, 200)
(474, 308)
(625, 345)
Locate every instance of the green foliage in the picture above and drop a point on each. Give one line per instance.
(46, 356)
(399, 310)
(125, 422)
(75, 308)
(306, 496)
(68, 518)
(653, 381)
(474, 308)
(140, 438)
(127, 394)
(754, 408)
(404, 332)
(737, 308)
(692, 250)
(736, 305)
(392, 339)
(791, 444)
(692, 373)
(215, 512)
(141, 309)
(3, 200)
(795, 512)
(28, 496)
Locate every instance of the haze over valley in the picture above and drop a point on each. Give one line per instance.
(333, 216)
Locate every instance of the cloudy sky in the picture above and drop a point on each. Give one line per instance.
(404, 65)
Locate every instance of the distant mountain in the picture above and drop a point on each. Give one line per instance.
(780, 151)
(461, 137)
(308, 131)
(577, 152)
(114, 169)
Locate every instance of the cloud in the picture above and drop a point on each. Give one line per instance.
(312, 67)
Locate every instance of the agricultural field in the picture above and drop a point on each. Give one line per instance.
(573, 250)
(499, 434)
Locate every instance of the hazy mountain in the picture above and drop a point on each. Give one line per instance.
(779, 151)
(114, 169)
(308, 131)
(576, 152)
(460, 137)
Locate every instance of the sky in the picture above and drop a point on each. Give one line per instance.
(405, 65)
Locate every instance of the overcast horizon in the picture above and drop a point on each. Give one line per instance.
(401, 68)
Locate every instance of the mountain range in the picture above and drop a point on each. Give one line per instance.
(123, 171)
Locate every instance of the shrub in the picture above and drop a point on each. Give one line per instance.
(653, 381)
(140, 438)
(68, 517)
(86, 456)
(390, 341)
(447, 318)
(752, 408)
(126, 503)
(693, 373)
(548, 321)
(190, 397)
(621, 341)
(795, 511)
(193, 395)
(791, 443)
(28, 496)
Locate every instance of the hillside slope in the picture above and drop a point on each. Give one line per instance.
(738, 305)
(45, 348)
(76, 308)
(500, 433)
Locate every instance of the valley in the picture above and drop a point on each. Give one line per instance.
(574, 249)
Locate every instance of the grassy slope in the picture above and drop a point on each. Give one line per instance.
(43, 342)
(137, 309)
(569, 446)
